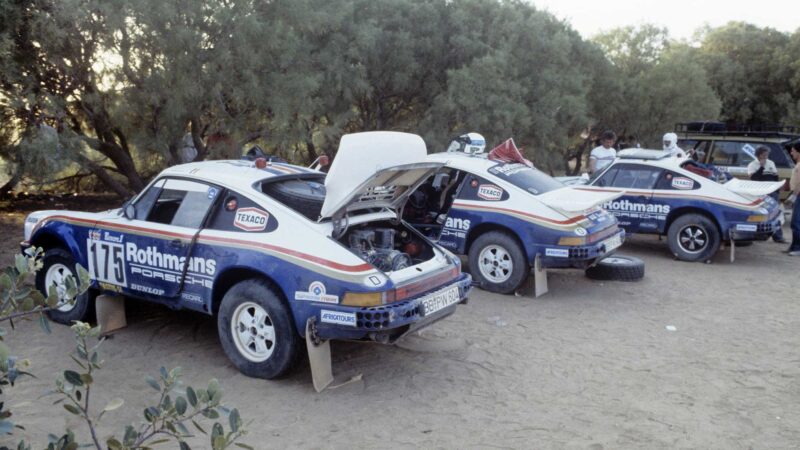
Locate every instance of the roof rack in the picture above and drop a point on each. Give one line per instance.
(727, 129)
(643, 153)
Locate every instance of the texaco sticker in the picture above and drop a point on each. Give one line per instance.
(251, 219)
(490, 192)
(682, 183)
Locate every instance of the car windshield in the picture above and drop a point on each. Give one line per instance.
(532, 180)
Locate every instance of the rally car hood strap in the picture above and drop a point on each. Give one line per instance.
(569, 200)
(753, 189)
(377, 169)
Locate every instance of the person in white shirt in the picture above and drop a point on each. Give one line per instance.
(603, 154)
(763, 169)
(671, 145)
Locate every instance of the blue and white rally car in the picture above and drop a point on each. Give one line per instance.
(669, 196)
(262, 246)
(505, 215)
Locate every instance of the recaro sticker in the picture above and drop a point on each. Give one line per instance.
(338, 318)
(490, 192)
(316, 293)
(251, 219)
(682, 183)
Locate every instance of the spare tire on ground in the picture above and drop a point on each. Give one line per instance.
(617, 268)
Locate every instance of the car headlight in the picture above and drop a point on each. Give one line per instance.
(30, 224)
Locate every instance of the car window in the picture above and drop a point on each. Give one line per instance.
(183, 203)
(606, 178)
(671, 181)
(238, 213)
(634, 176)
(532, 180)
(731, 153)
(145, 202)
(304, 195)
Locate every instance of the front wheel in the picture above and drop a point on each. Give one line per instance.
(256, 330)
(693, 237)
(57, 266)
(498, 263)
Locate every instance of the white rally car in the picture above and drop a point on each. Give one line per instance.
(676, 197)
(262, 246)
(505, 215)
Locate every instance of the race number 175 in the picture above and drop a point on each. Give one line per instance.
(107, 262)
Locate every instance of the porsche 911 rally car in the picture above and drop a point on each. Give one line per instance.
(670, 196)
(270, 248)
(503, 214)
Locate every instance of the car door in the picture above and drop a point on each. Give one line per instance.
(150, 254)
(635, 210)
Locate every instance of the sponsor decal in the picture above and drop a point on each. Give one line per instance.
(147, 289)
(682, 183)
(192, 298)
(580, 231)
(251, 219)
(31, 220)
(212, 192)
(457, 224)
(150, 256)
(746, 227)
(627, 208)
(110, 287)
(557, 252)
(338, 318)
(316, 293)
(490, 192)
(111, 238)
(508, 169)
(94, 235)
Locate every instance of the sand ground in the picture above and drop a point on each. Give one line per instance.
(591, 365)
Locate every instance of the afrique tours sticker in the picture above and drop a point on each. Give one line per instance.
(490, 192)
(251, 219)
(682, 183)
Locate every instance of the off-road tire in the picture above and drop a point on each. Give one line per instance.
(249, 295)
(617, 268)
(82, 309)
(679, 237)
(505, 281)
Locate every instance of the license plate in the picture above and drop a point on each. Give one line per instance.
(612, 243)
(440, 300)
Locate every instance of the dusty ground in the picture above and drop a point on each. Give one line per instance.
(589, 366)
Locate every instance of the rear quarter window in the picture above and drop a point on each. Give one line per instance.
(531, 180)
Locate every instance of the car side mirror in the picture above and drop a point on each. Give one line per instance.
(129, 211)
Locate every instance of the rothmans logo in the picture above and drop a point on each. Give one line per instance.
(150, 256)
(627, 205)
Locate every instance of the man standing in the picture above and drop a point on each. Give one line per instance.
(763, 169)
(603, 154)
(794, 185)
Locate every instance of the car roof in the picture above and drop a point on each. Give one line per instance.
(237, 174)
(658, 158)
(464, 161)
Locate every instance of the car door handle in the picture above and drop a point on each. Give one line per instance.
(176, 243)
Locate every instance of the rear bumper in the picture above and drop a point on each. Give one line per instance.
(579, 257)
(753, 231)
(387, 323)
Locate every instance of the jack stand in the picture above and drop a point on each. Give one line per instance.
(319, 357)
(110, 310)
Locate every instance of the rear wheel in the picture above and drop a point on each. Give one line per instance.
(57, 266)
(693, 237)
(256, 330)
(498, 263)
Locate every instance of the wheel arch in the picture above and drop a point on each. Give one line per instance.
(678, 212)
(486, 227)
(232, 275)
(48, 240)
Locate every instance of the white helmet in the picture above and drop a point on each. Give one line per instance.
(670, 141)
(472, 143)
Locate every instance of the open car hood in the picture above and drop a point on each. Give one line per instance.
(753, 189)
(376, 169)
(571, 201)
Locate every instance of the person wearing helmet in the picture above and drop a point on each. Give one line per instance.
(671, 145)
(471, 143)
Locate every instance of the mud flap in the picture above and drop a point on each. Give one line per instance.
(110, 310)
(733, 249)
(539, 276)
(319, 357)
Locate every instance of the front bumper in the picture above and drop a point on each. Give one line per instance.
(387, 323)
(760, 231)
(579, 257)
